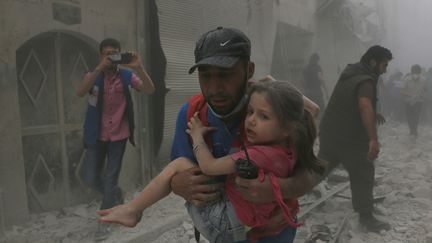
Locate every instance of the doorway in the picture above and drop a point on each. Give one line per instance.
(49, 68)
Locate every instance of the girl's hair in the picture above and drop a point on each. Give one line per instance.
(287, 104)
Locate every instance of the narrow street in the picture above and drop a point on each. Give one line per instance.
(403, 198)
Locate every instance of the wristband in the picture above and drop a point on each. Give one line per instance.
(196, 146)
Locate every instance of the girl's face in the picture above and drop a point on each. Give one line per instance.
(261, 123)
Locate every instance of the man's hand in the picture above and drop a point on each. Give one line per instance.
(104, 64)
(135, 62)
(380, 119)
(254, 190)
(194, 187)
(374, 149)
(276, 220)
(146, 83)
(297, 185)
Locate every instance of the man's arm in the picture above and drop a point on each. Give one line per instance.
(90, 78)
(294, 186)
(195, 187)
(145, 84)
(367, 114)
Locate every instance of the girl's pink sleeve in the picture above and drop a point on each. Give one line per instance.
(238, 155)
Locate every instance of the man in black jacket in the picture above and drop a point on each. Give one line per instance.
(348, 132)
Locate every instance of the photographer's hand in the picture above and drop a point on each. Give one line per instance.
(104, 63)
(147, 84)
(135, 62)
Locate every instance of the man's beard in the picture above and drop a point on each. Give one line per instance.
(228, 113)
(377, 70)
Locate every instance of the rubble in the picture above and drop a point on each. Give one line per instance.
(402, 192)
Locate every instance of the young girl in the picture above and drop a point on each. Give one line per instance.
(278, 131)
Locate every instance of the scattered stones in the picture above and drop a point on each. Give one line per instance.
(404, 170)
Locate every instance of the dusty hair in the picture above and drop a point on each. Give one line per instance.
(377, 53)
(287, 104)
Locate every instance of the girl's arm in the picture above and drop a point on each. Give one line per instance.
(209, 165)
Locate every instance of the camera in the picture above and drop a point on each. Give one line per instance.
(121, 58)
(246, 169)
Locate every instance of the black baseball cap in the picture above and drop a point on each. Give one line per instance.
(221, 47)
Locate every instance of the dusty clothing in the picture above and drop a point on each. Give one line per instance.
(414, 95)
(341, 120)
(413, 112)
(361, 171)
(312, 84)
(109, 122)
(218, 222)
(112, 121)
(415, 89)
(276, 161)
(115, 123)
(344, 139)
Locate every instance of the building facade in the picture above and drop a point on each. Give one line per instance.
(43, 58)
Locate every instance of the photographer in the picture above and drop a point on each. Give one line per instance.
(109, 120)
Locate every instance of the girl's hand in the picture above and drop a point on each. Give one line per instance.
(122, 214)
(196, 129)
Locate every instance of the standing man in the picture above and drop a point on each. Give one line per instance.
(348, 132)
(222, 57)
(109, 120)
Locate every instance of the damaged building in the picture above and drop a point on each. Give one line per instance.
(48, 45)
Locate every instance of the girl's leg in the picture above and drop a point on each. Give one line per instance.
(129, 214)
(159, 187)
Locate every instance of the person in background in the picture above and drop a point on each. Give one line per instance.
(414, 94)
(314, 81)
(394, 102)
(348, 130)
(109, 120)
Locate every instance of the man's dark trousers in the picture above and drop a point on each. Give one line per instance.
(102, 179)
(361, 171)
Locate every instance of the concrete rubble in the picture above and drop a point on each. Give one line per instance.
(403, 198)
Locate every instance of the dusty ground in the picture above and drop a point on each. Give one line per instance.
(404, 178)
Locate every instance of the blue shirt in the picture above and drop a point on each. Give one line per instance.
(222, 138)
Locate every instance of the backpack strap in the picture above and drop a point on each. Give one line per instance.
(197, 103)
